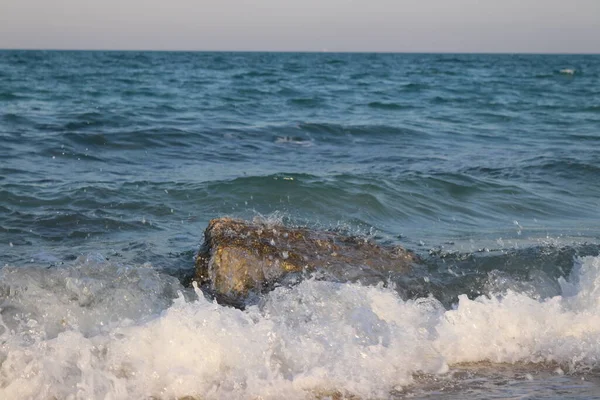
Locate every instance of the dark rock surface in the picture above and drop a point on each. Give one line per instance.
(239, 257)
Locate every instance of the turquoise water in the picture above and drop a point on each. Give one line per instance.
(112, 164)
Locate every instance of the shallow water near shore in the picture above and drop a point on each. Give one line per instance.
(112, 164)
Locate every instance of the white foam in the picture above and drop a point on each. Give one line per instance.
(293, 141)
(129, 339)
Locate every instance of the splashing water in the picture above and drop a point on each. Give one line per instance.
(99, 330)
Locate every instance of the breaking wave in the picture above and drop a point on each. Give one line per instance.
(95, 329)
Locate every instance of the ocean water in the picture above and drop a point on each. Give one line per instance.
(487, 166)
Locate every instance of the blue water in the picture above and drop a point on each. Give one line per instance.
(486, 165)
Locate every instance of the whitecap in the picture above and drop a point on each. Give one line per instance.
(567, 71)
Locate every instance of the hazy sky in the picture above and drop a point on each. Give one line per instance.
(570, 26)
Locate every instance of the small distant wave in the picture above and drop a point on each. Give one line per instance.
(138, 139)
(9, 96)
(148, 92)
(309, 102)
(360, 75)
(592, 109)
(294, 67)
(389, 106)
(12, 118)
(294, 141)
(415, 87)
(450, 100)
(590, 137)
(443, 59)
(564, 166)
(58, 226)
(254, 74)
(496, 117)
(336, 61)
(367, 130)
(93, 120)
(256, 92)
(290, 91)
(568, 71)
(127, 80)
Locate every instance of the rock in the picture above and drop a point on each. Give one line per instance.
(239, 257)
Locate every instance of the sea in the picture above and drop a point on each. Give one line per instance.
(487, 166)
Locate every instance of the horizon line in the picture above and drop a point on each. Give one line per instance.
(324, 51)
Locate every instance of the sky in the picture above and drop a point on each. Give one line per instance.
(529, 26)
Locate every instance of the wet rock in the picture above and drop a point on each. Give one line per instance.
(239, 257)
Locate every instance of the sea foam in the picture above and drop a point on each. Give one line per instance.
(99, 330)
